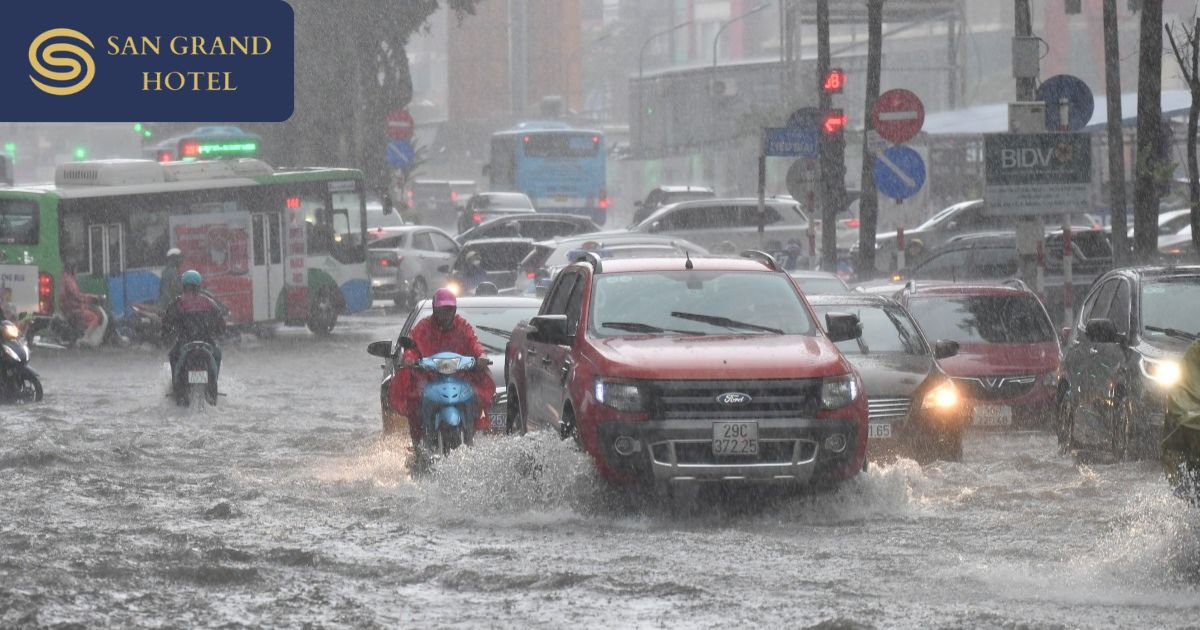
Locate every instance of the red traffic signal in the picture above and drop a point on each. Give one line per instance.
(834, 81)
(834, 122)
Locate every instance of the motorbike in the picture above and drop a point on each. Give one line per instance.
(143, 325)
(18, 382)
(445, 400)
(195, 375)
(56, 331)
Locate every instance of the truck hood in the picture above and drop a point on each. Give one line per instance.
(892, 374)
(718, 357)
(987, 359)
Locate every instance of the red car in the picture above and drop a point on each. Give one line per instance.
(680, 369)
(1008, 351)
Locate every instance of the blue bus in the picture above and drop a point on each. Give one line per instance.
(560, 168)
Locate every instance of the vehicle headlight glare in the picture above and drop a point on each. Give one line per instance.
(1163, 372)
(10, 331)
(619, 396)
(838, 391)
(455, 288)
(944, 396)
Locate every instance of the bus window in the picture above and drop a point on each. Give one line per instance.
(149, 239)
(560, 145)
(18, 222)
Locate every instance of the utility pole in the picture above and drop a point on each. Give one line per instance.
(1026, 88)
(833, 151)
(1149, 133)
(1116, 137)
(869, 202)
(1030, 230)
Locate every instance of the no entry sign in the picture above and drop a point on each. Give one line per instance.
(898, 115)
(400, 124)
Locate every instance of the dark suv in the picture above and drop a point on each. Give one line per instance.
(1008, 358)
(1122, 355)
(678, 370)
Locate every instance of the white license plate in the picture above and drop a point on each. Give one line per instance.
(496, 420)
(991, 416)
(735, 438)
(879, 430)
(198, 377)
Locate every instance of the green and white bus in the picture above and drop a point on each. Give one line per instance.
(274, 245)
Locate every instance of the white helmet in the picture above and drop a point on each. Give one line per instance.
(174, 251)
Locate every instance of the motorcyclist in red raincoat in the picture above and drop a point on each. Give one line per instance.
(443, 331)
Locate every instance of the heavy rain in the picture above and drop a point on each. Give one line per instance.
(604, 313)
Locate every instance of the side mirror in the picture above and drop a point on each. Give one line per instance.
(1102, 331)
(551, 329)
(944, 349)
(487, 288)
(842, 326)
(388, 207)
(406, 343)
(381, 349)
(444, 269)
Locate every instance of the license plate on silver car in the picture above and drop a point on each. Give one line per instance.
(198, 377)
(735, 438)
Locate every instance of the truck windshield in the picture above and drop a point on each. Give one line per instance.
(697, 302)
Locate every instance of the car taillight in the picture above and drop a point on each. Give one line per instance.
(853, 223)
(531, 274)
(45, 293)
(477, 218)
(453, 196)
(603, 203)
(383, 262)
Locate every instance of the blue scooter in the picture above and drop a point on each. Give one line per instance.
(445, 401)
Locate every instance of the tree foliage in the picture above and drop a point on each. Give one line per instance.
(351, 70)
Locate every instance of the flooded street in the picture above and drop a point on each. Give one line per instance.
(282, 508)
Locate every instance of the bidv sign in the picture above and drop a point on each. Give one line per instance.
(149, 61)
(1046, 173)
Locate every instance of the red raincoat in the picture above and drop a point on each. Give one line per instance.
(404, 393)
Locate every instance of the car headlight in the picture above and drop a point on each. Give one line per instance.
(454, 288)
(1165, 372)
(10, 332)
(619, 396)
(446, 366)
(838, 391)
(942, 397)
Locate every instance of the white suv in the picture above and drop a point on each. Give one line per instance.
(717, 223)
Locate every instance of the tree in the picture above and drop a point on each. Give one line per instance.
(869, 202)
(351, 70)
(1188, 58)
(1148, 167)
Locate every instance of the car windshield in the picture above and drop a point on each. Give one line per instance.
(885, 329)
(499, 256)
(493, 324)
(822, 286)
(1171, 305)
(377, 219)
(504, 201)
(697, 302)
(983, 318)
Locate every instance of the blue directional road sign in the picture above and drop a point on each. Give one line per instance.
(1071, 92)
(899, 172)
(400, 154)
(791, 142)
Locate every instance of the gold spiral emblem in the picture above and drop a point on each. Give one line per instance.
(62, 55)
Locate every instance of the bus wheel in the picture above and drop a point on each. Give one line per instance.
(322, 315)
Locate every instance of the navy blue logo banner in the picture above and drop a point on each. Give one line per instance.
(153, 61)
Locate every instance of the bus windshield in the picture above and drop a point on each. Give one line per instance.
(18, 222)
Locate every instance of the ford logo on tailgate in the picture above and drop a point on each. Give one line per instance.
(734, 398)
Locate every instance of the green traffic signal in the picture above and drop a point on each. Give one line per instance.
(137, 127)
(10, 148)
(80, 153)
(147, 133)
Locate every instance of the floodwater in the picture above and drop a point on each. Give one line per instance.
(281, 507)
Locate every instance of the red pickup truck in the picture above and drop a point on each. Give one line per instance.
(707, 369)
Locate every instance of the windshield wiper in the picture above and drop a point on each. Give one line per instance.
(1172, 332)
(499, 332)
(724, 322)
(638, 327)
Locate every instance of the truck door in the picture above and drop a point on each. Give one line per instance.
(543, 387)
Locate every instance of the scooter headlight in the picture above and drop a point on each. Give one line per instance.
(446, 366)
(9, 331)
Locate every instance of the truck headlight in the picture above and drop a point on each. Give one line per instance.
(618, 395)
(1165, 372)
(838, 391)
(942, 397)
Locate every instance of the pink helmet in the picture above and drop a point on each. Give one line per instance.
(444, 297)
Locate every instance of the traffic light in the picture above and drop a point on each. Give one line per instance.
(81, 153)
(11, 149)
(834, 122)
(833, 81)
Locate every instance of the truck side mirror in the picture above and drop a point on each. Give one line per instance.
(551, 329)
(842, 326)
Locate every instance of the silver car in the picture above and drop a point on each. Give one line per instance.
(405, 262)
(731, 224)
